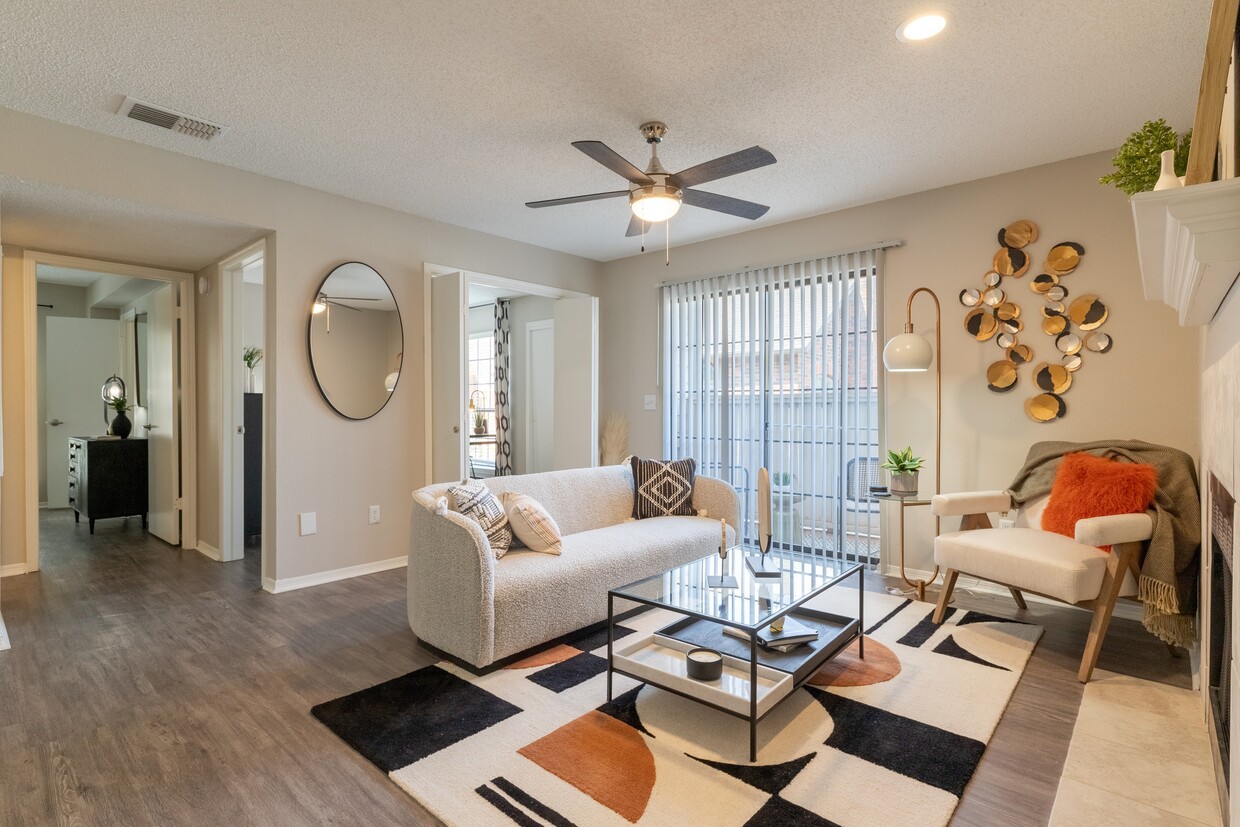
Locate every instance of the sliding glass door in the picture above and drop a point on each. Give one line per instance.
(776, 367)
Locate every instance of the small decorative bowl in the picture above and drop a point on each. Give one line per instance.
(704, 664)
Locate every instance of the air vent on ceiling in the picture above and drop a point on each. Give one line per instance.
(170, 119)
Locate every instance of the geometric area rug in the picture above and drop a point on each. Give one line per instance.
(888, 741)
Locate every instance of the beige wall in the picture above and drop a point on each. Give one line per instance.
(13, 349)
(318, 461)
(1145, 388)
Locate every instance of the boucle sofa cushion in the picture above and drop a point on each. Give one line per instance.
(533, 526)
(663, 488)
(475, 500)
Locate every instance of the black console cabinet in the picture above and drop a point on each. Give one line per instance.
(107, 478)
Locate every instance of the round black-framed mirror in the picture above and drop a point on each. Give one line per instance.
(355, 337)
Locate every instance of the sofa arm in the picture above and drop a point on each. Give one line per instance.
(451, 583)
(1115, 529)
(718, 499)
(970, 502)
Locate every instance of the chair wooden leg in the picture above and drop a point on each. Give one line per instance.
(1019, 598)
(1112, 582)
(945, 595)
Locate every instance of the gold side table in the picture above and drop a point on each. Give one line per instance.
(908, 501)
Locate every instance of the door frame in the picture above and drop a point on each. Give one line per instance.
(530, 327)
(232, 399)
(183, 311)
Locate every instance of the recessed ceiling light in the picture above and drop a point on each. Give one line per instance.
(922, 26)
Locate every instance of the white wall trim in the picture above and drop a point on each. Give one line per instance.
(210, 551)
(289, 584)
(13, 569)
(1128, 609)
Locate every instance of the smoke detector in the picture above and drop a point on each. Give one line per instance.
(170, 119)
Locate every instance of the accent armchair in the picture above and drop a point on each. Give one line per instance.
(1025, 558)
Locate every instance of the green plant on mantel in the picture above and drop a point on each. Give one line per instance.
(1138, 165)
(902, 462)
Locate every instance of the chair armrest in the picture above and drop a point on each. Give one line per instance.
(1115, 529)
(451, 583)
(970, 502)
(718, 499)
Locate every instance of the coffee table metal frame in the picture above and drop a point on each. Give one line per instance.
(824, 655)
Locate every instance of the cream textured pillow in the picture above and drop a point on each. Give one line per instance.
(475, 500)
(531, 523)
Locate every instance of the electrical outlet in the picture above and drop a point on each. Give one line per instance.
(374, 514)
(306, 523)
(648, 402)
(1007, 522)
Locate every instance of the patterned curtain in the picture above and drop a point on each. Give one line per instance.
(503, 391)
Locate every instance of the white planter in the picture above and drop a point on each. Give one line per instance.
(904, 483)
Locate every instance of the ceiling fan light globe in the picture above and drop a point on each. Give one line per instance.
(319, 305)
(655, 202)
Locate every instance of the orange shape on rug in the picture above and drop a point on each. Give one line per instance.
(604, 758)
(879, 665)
(556, 654)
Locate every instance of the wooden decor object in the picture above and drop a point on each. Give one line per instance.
(1214, 70)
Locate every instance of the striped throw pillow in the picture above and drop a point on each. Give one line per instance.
(663, 488)
(531, 523)
(475, 501)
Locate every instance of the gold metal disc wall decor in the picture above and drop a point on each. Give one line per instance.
(994, 314)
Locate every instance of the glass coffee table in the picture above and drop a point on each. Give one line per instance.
(755, 679)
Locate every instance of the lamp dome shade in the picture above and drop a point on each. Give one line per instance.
(908, 352)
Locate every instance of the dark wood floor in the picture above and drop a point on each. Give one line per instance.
(150, 685)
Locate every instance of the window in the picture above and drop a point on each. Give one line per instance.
(481, 402)
(778, 368)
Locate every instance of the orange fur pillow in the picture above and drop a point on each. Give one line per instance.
(1088, 486)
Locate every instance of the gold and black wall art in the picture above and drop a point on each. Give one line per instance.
(1072, 322)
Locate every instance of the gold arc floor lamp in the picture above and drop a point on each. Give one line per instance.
(909, 352)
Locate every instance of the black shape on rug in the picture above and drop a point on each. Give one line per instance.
(925, 627)
(568, 673)
(408, 718)
(889, 616)
(524, 799)
(780, 813)
(770, 778)
(624, 709)
(592, 641)
(922, 752)
(981, 617)
(950, 647)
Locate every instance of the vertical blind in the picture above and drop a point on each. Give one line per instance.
(776, 367)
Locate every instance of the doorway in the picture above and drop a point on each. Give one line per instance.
(545, 340)
(112, 348)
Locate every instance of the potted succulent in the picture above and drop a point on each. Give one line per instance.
(251, 356)
(121, 425)
(480, 423)
(786, 505)
(903, 467)
(1139, 162)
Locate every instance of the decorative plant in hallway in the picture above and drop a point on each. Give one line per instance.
(121, 425)
(1137, 162)
(251, 356)
(903, 467)
(120, 404)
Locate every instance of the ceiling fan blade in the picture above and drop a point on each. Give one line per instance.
(609, 158)
(352, 298)
(723, 166)
(345, 306)
(576, 199)
(635, 227)
(724, 203)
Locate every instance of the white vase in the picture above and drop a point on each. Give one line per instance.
(249, 381)
(1167, 180)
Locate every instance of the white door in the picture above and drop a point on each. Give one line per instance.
(540, 396)
(449, 306)
(162, 417)
(81, 354)
(576, 386)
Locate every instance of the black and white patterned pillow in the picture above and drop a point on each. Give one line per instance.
(475, 500)
(663, 488)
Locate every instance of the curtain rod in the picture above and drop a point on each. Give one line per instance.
(882, 245)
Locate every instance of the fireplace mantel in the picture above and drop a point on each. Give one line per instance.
(1188, 243)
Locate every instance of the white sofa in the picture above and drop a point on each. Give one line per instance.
(466, 603)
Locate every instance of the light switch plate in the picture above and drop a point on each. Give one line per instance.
(306, 523)
(374, 514)
(648, 402)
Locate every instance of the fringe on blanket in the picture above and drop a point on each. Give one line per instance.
(1162, 617)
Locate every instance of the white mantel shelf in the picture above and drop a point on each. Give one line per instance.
(1188, 243)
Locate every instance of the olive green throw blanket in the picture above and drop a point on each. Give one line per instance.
(1169, 568)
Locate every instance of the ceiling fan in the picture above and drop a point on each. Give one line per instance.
(323, 300)
(656, 195)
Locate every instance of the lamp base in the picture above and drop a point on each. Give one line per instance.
(761, 569)
(721, 581)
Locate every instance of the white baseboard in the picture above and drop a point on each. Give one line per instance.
(12, 569)
(1124, 608)
(289, 584)
(210, 551)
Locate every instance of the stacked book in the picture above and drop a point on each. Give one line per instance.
(793, 634)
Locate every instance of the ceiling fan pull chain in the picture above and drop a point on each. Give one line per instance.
(667, 244)
(643, 236)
